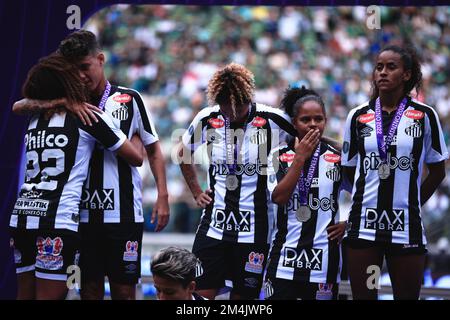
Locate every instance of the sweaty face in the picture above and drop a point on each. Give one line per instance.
(389, 74)
(168, 289)
(91, 70)
(309, 116)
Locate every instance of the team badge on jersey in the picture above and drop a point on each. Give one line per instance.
(333, 173)
(259, 137)
(49, 253)
(198, 269)
(255, 263)
(131, 251)
(414, 129)
(121, 112)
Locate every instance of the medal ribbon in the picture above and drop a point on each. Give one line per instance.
(105, 96)
(305, 184)
(383, 145)
(230, 148)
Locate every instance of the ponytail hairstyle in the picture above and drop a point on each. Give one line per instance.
(411, 62)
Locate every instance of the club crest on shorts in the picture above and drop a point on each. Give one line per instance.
(49, 253)
(131, 251)
(255, 263)
(198, 269)
(268, 289)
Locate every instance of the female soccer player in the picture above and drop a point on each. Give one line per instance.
(386, 144)
(305, 255)
(232, 240)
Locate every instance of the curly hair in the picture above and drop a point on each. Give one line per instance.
(53, 78)
(232, 85)
(294, 98)
(411, 61)
(78, 45)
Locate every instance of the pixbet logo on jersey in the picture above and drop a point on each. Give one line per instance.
(303, 258)
(100, 199)
(49, 253)
(323, 204)
(373, 161)
(131, 251)
(255, 263)
(248, 169)
(390, 220)
(229, 221)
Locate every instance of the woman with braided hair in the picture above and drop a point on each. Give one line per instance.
(233, 237)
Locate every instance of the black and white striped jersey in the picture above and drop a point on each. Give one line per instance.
(243, 215)
(389, 210)
(301, 251)
(58, 151)
(113, 191)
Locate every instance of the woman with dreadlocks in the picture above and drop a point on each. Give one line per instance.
(233, 237)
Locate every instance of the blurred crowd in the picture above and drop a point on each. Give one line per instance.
(169, 53)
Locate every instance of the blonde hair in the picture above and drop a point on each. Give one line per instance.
(234, 85)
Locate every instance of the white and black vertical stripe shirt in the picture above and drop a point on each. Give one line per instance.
(301, 251)
(58, 151)
(113, 191)
(243, 215)
(389, 210)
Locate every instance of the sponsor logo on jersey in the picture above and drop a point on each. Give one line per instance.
(386, 220)
(230, 221)
(49, 253)
(131, 251)
(31, 207)
(40, 140)
(414, 114)
(216, 123)
(331, 157)
(101, 199)
(287, 157)
(259, 137)
(259, 122)
(414, 130)
(372, 162)
(255, 263)
(333, 173)
(365, 132)
(130, 268)
(366, 118)
(248, 169)
(251, 282)
(323, 204)
(303, 258)
(120, 113)
(122, 98)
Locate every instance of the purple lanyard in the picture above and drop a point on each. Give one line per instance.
(231, 155)
(383, 145)
(305, 184)
(105, 96)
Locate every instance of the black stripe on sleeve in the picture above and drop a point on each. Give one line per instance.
(101, 131)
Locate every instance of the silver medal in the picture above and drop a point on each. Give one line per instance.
(303, 213)
(384, 171)
(231, 182)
